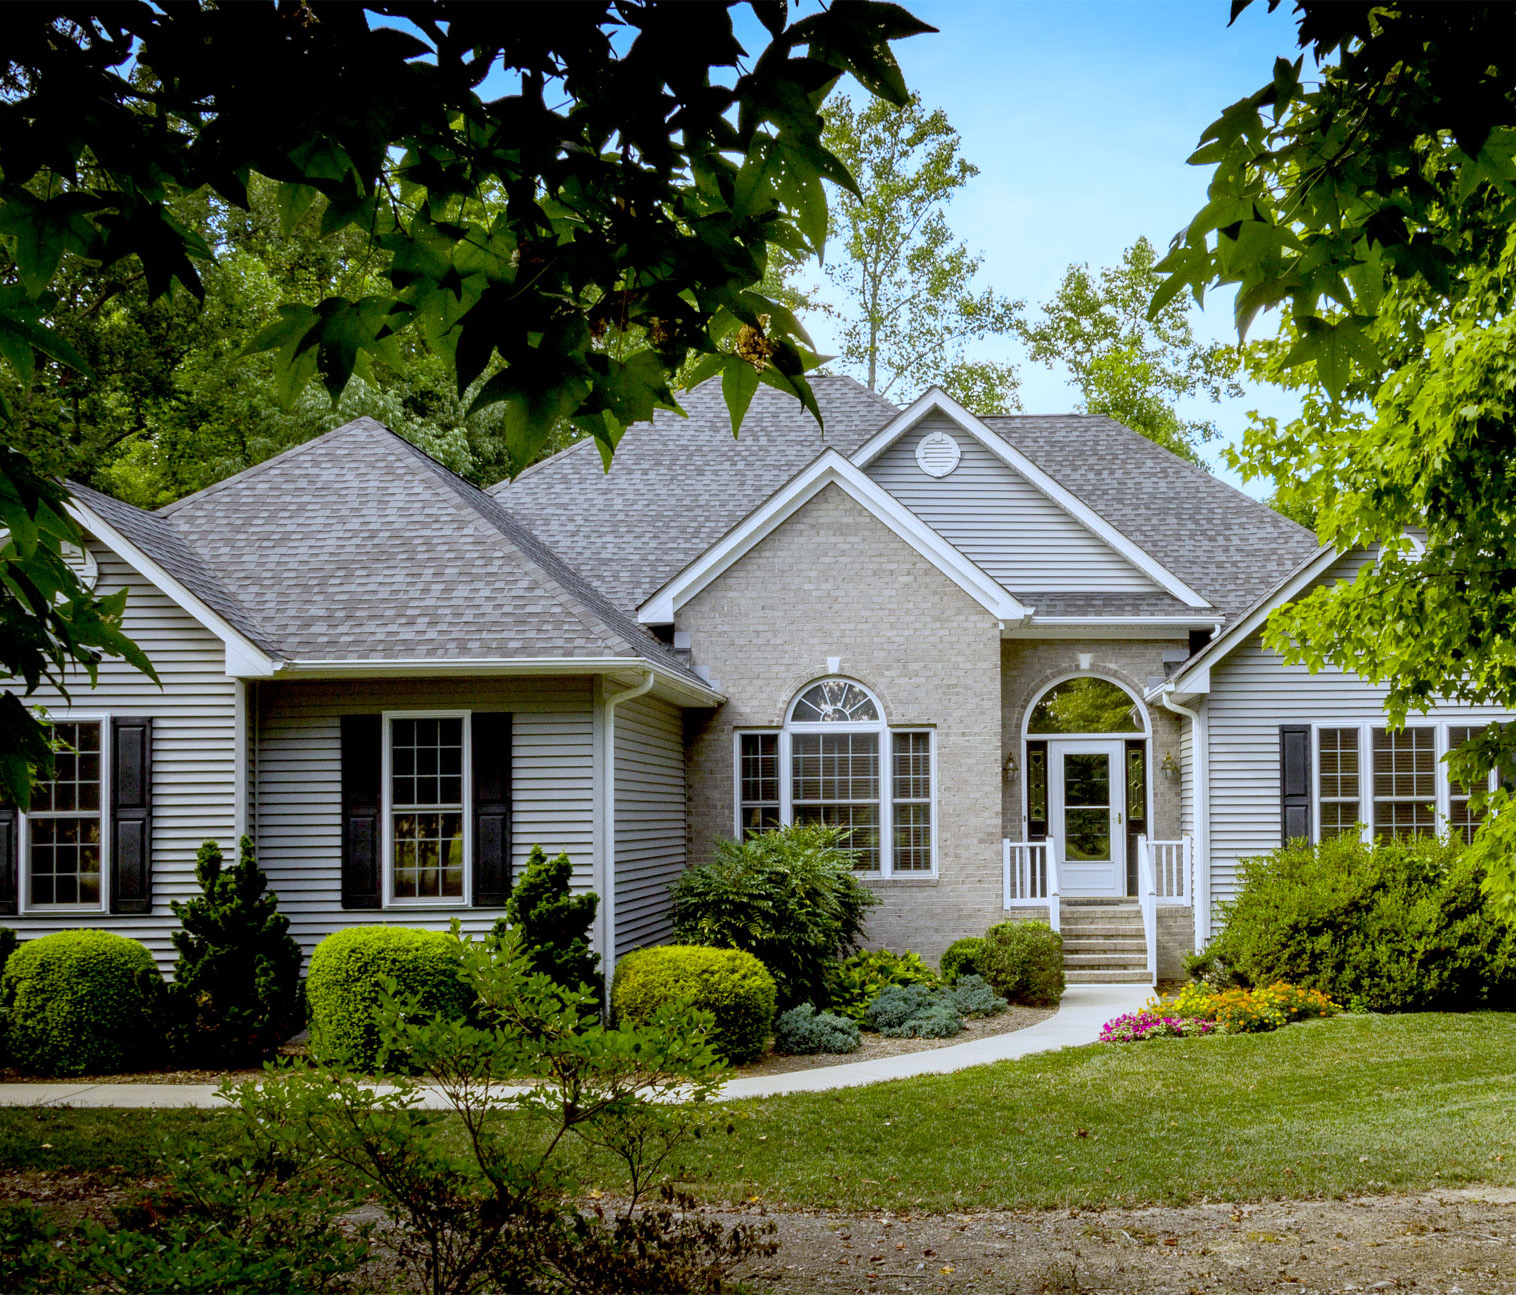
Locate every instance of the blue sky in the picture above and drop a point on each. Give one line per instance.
(1079, 115)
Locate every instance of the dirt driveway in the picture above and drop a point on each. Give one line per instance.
(1454, 1242)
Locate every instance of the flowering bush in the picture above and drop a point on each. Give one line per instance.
(1243, 1011)
(1134, 1027)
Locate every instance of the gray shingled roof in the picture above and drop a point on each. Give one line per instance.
(357, 545)
(158, 540)
(677, 485)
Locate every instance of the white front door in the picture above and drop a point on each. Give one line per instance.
(1088, 823)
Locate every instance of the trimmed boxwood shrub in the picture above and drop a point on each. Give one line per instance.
(79, 1003)
(1397, 926)
(733, 986)
(348, 971)
(803, 1030)
(961, 957)
(1023, 962)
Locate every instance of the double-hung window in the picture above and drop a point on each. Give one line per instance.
(1338, 753)
(1405, 782)
(426, 807)
(1463, 818)
(65, 825)
(836, 762)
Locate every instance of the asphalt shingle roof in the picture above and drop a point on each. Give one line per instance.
(676, 485)
(357, 545)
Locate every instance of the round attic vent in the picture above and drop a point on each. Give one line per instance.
(938, 454)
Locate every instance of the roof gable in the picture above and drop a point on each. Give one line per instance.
(936, 403)
(829, 469)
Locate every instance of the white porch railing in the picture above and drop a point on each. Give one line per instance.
(1147, 900)
(1173, 863)
(1031, 877)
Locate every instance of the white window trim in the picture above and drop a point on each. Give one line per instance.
(24, 905)
(1442, 800)
(886, 869)
(465, 900)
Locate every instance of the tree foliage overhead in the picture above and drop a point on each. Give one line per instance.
(1373, 204)
(1127, 365)
(911, 305)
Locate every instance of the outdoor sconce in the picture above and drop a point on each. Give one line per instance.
(1169, 768)
(1010, 766)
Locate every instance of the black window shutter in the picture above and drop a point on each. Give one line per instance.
(7, 860)
(362, 740)
(1295, 782)
(492, 808)
(131, 815)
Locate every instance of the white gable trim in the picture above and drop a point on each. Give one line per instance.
(244, 658)
(1194, 678)
(829, 469)
(934, 398)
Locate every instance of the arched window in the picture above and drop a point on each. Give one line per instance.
(1085, 705)
(837, 762)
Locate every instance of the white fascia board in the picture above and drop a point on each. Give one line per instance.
(1195, 677)
(830, 468)
(244, 658)
(669, 683)
(936, 398)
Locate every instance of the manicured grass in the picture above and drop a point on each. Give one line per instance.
(1356, 1104)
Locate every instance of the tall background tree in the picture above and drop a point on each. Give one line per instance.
(630, 179)
(1127, 365)
(910, 301)
(1372, 203)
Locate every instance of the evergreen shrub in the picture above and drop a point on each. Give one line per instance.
(914, 1012)
(81, 1002)
(236, 993)
(803, 1030)
(1023, 962)
(972, 996)
(350, 972)
(733, 986)
(960, 957)
(552, 923)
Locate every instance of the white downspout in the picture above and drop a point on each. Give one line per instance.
(608, 824)
(1200, 743)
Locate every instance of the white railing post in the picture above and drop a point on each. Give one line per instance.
(1054, 886)
(1148, 899)
(1005, 864)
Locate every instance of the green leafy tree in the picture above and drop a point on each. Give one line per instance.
(1128, 366)
(552, 923)
(910, 304)
(236, 992)
(1373, 205)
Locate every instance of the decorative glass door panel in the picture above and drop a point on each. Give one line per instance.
(1088, 800)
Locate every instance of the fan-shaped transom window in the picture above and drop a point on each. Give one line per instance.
(834, 701)
(1085, 705)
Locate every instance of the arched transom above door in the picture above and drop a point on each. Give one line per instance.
(1085, 704)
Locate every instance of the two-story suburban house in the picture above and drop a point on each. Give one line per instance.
(1017, 658)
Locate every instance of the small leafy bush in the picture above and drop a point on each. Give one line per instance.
(236, 993)
(81, 1002)
(914, 1012)
(803, 1030)
(1023, 962)
(972, 996)
(554, 923)
(731, 985)
(1136, 1027)
(1392, 927)
(350, 973)
(960, 957)
(855, 982)
(788, 897)
(1209, 969)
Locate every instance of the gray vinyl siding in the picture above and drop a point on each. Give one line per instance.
(297, 809)
(650, 819)
(194, 749)
(1000, 520)
(1252, 694)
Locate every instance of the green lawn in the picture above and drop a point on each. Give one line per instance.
(1357, 1104)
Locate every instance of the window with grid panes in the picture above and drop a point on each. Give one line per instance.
(1405, 782)
(1338, 789)
(911, 802)
(65, 822)
(1463, 819)
(426, 808)
(834, 779)
(759, 776)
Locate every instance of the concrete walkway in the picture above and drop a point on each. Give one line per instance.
(1084, 1009)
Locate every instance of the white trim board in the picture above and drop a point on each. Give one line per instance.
(935, 399)
(828, 469)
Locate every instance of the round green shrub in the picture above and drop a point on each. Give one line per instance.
(733, 986)
(80, 1003)
(960, 957)
(803, 1030)
(1023, 962)
(347, 973)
